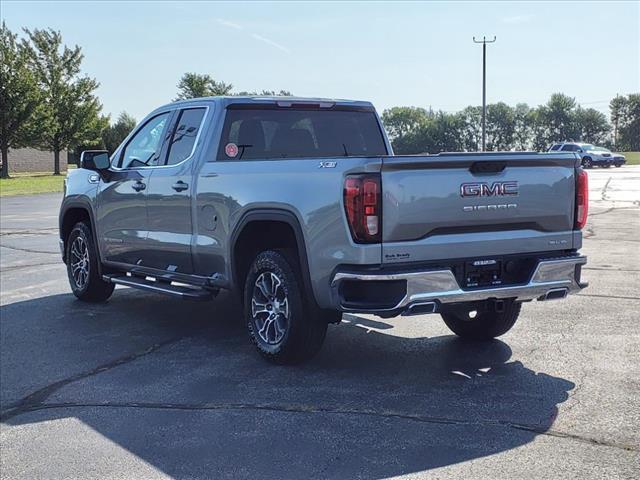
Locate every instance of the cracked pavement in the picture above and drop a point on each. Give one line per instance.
(149, 387)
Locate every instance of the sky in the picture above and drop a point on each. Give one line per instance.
(390, 53)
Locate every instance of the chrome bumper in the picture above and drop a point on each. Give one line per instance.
(550, 277)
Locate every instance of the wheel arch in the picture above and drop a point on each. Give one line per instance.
(71, 213)
(280, 219)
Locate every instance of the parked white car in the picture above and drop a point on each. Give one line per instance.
(592, 156)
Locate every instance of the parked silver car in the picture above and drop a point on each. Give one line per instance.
(592, 156)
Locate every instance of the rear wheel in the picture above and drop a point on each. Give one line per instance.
(82, 266)
(284, 327)
(473, 322)
(587, 162)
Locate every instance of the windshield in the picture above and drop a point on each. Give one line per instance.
(587, 146)
(601, 149)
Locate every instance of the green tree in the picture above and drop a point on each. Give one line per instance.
(539, 129)
(617, 107)
(19, 96)
(113, 135)
(500, 126)
(195, 85)
(441, 133)
(471, 128)
(593, 125)
(522, 126)
(400, 121)
(559, 118)
(629, 128)
(71, 113)
(264, 93)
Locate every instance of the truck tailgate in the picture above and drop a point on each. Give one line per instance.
(476, 205)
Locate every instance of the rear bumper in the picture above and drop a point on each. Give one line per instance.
(551, 278)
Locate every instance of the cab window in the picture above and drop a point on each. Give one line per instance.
(264, 132)
(144, 148)
(184, 135)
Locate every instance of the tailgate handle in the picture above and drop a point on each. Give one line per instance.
(487, 167)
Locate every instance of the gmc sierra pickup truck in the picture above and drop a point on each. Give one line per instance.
(300, 206)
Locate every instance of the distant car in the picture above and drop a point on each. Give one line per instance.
(592, 156)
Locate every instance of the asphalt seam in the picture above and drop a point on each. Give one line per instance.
(36, 399)
(30, 265)
(603, 269)
(338, 411)
(603, 194)
(619, 297)
(29, 250)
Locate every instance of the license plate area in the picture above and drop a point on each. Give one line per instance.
(482, 273)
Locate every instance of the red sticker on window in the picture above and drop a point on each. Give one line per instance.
(231, 149)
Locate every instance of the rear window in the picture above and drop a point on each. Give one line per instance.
(268, 133)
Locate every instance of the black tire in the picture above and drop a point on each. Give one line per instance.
(606, 165)
(284, 327)
(84, 275)
(587, 163)
(485, 325)
(618, 165)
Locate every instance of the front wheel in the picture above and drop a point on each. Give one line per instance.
(618, 165)
(475, 323)
(284, 327)
(82, 266)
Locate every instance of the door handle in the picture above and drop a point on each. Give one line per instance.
(138, 186)
(180, 186)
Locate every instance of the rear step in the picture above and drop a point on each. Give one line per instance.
(184, 292)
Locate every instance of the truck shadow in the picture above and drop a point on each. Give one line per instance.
(178, 385)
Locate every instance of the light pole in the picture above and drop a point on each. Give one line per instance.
(484, 42)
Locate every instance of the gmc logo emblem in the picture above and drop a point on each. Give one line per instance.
(483, 189)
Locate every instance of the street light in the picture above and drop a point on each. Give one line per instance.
(484, 42)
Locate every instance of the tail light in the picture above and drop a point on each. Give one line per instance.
(363, 206)
(582, 199)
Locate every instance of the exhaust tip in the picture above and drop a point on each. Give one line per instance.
(555, 294)
(421, 309)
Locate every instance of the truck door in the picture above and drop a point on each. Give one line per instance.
(169, 196)
(122, 199)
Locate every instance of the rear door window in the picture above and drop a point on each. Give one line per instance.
(270, 133)
(184, 135)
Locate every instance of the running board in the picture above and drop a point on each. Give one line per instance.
(184, 292)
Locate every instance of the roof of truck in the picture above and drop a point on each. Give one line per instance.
(258, 99)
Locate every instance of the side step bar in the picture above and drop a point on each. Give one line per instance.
(184, 292)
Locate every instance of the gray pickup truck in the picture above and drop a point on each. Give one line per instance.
(300, 207)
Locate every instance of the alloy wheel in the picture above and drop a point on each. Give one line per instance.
(270, 308)
(80, 262)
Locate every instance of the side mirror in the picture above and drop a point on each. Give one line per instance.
(580, 150)
(95, 160)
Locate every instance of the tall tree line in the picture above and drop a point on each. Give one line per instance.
(417, 130)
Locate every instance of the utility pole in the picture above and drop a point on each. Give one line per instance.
(484, 42)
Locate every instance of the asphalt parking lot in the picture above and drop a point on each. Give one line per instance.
(149, 387)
